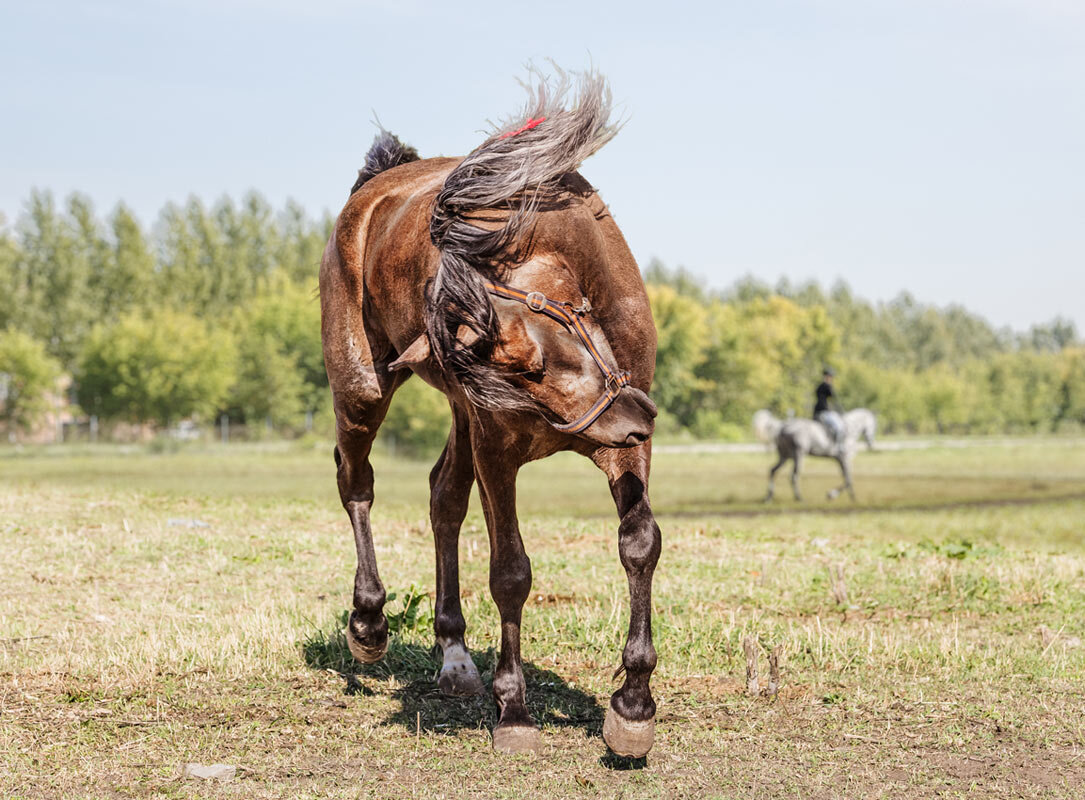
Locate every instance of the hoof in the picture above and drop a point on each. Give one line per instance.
(626, 737)
(517, 739)
(460, 680)
(366, 651)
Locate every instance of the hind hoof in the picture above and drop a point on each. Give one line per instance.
(517, 739)
(370, 648)
(460, 680)
(628, 738)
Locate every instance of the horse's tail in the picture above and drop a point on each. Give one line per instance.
(516, 168)
(387, 151)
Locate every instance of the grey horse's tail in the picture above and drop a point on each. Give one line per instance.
(516, 169)
(387, 151)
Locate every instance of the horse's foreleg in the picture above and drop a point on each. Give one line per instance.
(367, 630)
(629, 726)
(845, 470)
(796, 473)
(450, 490)
(510, 584)
(845, 467)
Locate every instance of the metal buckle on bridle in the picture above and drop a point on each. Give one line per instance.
(580, 310)
(536, 301)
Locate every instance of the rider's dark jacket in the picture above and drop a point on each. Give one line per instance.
(824, 392)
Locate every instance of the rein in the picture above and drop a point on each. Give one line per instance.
(569, 317)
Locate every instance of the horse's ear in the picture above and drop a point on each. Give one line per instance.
(417, 352)
(466, 336)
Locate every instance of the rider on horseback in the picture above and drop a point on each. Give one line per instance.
(827, 410)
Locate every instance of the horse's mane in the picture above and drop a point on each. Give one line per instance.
(387, 151)
(516, 170)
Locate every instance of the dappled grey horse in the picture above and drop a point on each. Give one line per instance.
(798, 438)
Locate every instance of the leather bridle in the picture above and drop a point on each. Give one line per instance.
(569, 317)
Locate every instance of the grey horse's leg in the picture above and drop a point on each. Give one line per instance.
(845, 466)
(772, 477)
(796, 471)
(845, 469)
(450, 491)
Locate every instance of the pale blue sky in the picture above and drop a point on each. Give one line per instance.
(930, 145)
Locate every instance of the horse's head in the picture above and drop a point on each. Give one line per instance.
(551, 349)
(543, 352)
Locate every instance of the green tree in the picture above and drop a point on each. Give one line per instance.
(682, 330)
(10, 290)
(52, 276)
(302, 244)
(285, 321)
(159, 367)
(127, 278)
(269, 384)
(28, 375)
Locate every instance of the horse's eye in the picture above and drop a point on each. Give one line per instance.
(536, 375)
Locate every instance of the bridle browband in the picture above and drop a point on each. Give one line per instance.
(569, 317)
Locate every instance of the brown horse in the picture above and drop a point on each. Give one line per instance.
(502, 280)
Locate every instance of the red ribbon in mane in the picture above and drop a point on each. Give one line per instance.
(531, 123)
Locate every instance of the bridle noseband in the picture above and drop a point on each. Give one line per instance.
(569, 317)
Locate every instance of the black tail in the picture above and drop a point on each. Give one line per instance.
(387, 151)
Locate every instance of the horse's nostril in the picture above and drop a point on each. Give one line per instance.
(636, 437)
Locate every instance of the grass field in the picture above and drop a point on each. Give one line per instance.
(162, 609)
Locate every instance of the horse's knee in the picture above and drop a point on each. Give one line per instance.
(510, 581)
(639, 540)
(355, 479)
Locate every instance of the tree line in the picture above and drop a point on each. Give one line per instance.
(921, 368)
(213, 311)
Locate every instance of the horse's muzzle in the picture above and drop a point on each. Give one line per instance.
(628, 422)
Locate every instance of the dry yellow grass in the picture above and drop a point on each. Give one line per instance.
(131, 645)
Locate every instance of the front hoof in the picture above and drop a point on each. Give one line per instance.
(367, 644)
(628, 738)
(517, 739)
(460, 680)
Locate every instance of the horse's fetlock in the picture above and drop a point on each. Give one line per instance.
(368, 602)
(639, 659)
(448, 625)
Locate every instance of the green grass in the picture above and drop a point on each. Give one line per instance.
(130, 646)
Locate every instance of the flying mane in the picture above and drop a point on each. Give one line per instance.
(519, 167)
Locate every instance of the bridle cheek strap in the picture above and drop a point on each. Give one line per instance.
(569, 317)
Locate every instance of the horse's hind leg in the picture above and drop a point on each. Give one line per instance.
(367, 630)
(450, 490)
(629, 726)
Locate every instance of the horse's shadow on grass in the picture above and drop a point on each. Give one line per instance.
(551, 700)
